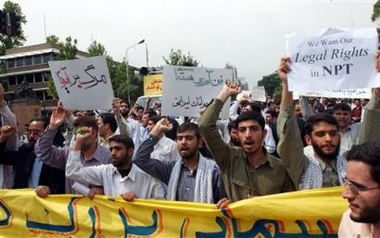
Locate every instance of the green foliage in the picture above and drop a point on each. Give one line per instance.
(52, 39)
(96, 49)
(8, 42)
(68, 49)
(177, 58)
(52, 92)
(271, 83)
(376, 11)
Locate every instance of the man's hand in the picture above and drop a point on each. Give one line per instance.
(57, 118)
(95, 191)
(223, 203)
(284, 69)
(6, 132)
(128, 196)
(43, 191)
(161, 127)
(230, 88)
(81, 134)
(116, 102)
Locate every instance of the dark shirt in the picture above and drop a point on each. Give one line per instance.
(23, 160)
(163, 169)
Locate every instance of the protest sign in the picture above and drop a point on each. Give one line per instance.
(258, 94)
(83, 84)
(188, 90)
(333, 59)
(153, 84)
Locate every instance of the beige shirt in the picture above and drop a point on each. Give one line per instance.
(350, 229)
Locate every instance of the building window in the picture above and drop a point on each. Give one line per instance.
(37, 59)
(29, 78)
(12, 80)
(28, 60)
(46, 58)
(20, 78)
(19, 62)
(38, 78)
(11, 63)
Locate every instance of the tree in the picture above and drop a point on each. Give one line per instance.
(67, 51)
(376, 11)
(271, 83)
(118, 74)
(177, 58)
(96, 49)
(52, 39)
(8, 42)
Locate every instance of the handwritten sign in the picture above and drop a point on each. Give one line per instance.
(337, 93)
(83, 84)
(188, 90)
(333, 59)
(258, 94)
(153, 84)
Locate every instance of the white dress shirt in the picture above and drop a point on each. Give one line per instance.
(137, 181)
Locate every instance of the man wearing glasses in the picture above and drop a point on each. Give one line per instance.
(362, 191)
(30, 171)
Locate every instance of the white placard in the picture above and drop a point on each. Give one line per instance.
(188, 90)
(333, 59)
(338, 93)
(243, 93)
(258, 94)
(83, 84)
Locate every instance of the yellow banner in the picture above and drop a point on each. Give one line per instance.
(153, 84)
(312, 213)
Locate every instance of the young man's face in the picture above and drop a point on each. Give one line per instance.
(102, 127)
(364, 205)
(325, 139)
(120, 155)
(188, 144)
(150, 125)
(250, 135)
(343, 118)
(269, 118)
(124, 109)
(145, 120)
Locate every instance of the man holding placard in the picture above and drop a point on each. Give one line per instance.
(327, 167)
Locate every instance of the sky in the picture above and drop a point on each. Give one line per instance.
(249, 34)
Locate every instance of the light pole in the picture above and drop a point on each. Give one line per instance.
(146, 54)
(126, 62)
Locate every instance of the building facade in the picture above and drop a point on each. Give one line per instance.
(26, 80)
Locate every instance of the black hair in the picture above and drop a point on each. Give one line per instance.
(341, 106)
(272, 113)
(109, 118)
(189, 126)
(231, 124)
(251, 115)
(44, 120)
(155, 119)
(368, 153)
(123, 139)
(87, 121)
(320, 117)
